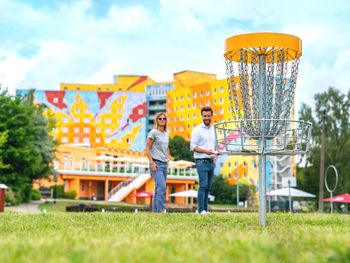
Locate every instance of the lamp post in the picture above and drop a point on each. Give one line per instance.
(323, 138)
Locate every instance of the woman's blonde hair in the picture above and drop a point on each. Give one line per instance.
(157, 116)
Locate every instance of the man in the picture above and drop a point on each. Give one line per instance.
(203, 143)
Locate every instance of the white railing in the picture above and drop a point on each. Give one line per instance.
(126, 189)
(119, 169)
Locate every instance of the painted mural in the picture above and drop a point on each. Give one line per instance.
(116, 119)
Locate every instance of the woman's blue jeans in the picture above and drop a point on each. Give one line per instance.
(205, 171)
(160, 186)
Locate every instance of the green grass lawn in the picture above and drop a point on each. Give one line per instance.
(171, 237)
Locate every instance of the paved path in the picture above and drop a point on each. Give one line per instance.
(32, 207)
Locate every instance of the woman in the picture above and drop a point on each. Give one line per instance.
(157, 149)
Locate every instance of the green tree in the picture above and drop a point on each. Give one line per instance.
(227, 194)
(29, 149)
(337, 145)
(180, 149)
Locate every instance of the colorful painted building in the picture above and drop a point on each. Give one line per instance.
(116, 117)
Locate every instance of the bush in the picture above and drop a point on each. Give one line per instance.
(71, 194)
(58, 191)
(35, 195)
(10, 197)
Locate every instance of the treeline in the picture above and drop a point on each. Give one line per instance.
(26, 147)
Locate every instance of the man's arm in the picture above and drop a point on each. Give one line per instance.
(194, 144)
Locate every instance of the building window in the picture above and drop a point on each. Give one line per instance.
(140, 111)
(108, 120)
(76, 130)
(221, 111)
(236, 164)
(182, 108)
(86, 130)
(76, 110)
(214, 101)
(169, 129)
(194, 105)
(98, 140)
(214, 91)
(64, 129)
(182, 98)
(207, 92)
(107, 130)
(244, 164)
(87, 110)
(65, 120)
(128, 140)
(54, 129)
(108, 140)
(76, 139)
(229, 164)
(236, 175)
(98, 130)
(207, 103)
(193, 115)
(221, 89)
(201, 94)
(86, 140)
(221, 100)
(98, 120)
(55, 100)
(64, 139)
(86, 120)
(181, 118)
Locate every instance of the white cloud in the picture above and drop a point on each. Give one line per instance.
(77, 46)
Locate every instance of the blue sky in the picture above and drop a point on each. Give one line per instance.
(43, 43)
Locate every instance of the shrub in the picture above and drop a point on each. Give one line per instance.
(71, 194)
(10, 197)
(58, 191)
(35, 194)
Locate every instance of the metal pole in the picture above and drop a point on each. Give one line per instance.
(262, 189)
(321, 192)
(331, 202)
(290, 198)
(262, 141)
(237, 192)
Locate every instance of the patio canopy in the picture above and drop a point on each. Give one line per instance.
(2, 186)
(344, 198)
(103, 158)
(190, 193)
(293, 192)
(142, 194)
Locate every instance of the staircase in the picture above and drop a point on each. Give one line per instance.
(124, 188)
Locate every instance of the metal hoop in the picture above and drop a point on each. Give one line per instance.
(336, 178)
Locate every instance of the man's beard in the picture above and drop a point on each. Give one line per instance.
(207, 122)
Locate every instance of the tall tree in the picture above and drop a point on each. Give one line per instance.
(180, 149)
(337, 145)
(29, 149)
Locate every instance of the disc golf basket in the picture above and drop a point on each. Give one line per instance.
(261, 97)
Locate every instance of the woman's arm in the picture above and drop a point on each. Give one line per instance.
(149, 144)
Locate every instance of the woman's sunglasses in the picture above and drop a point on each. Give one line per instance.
(161, 119)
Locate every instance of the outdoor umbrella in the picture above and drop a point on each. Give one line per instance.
(145, 195)
(190, 193)
(293, 192)
(344, 198)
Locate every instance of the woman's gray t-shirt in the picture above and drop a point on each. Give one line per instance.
(159, 149)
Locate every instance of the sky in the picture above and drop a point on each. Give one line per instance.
(44, 43)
